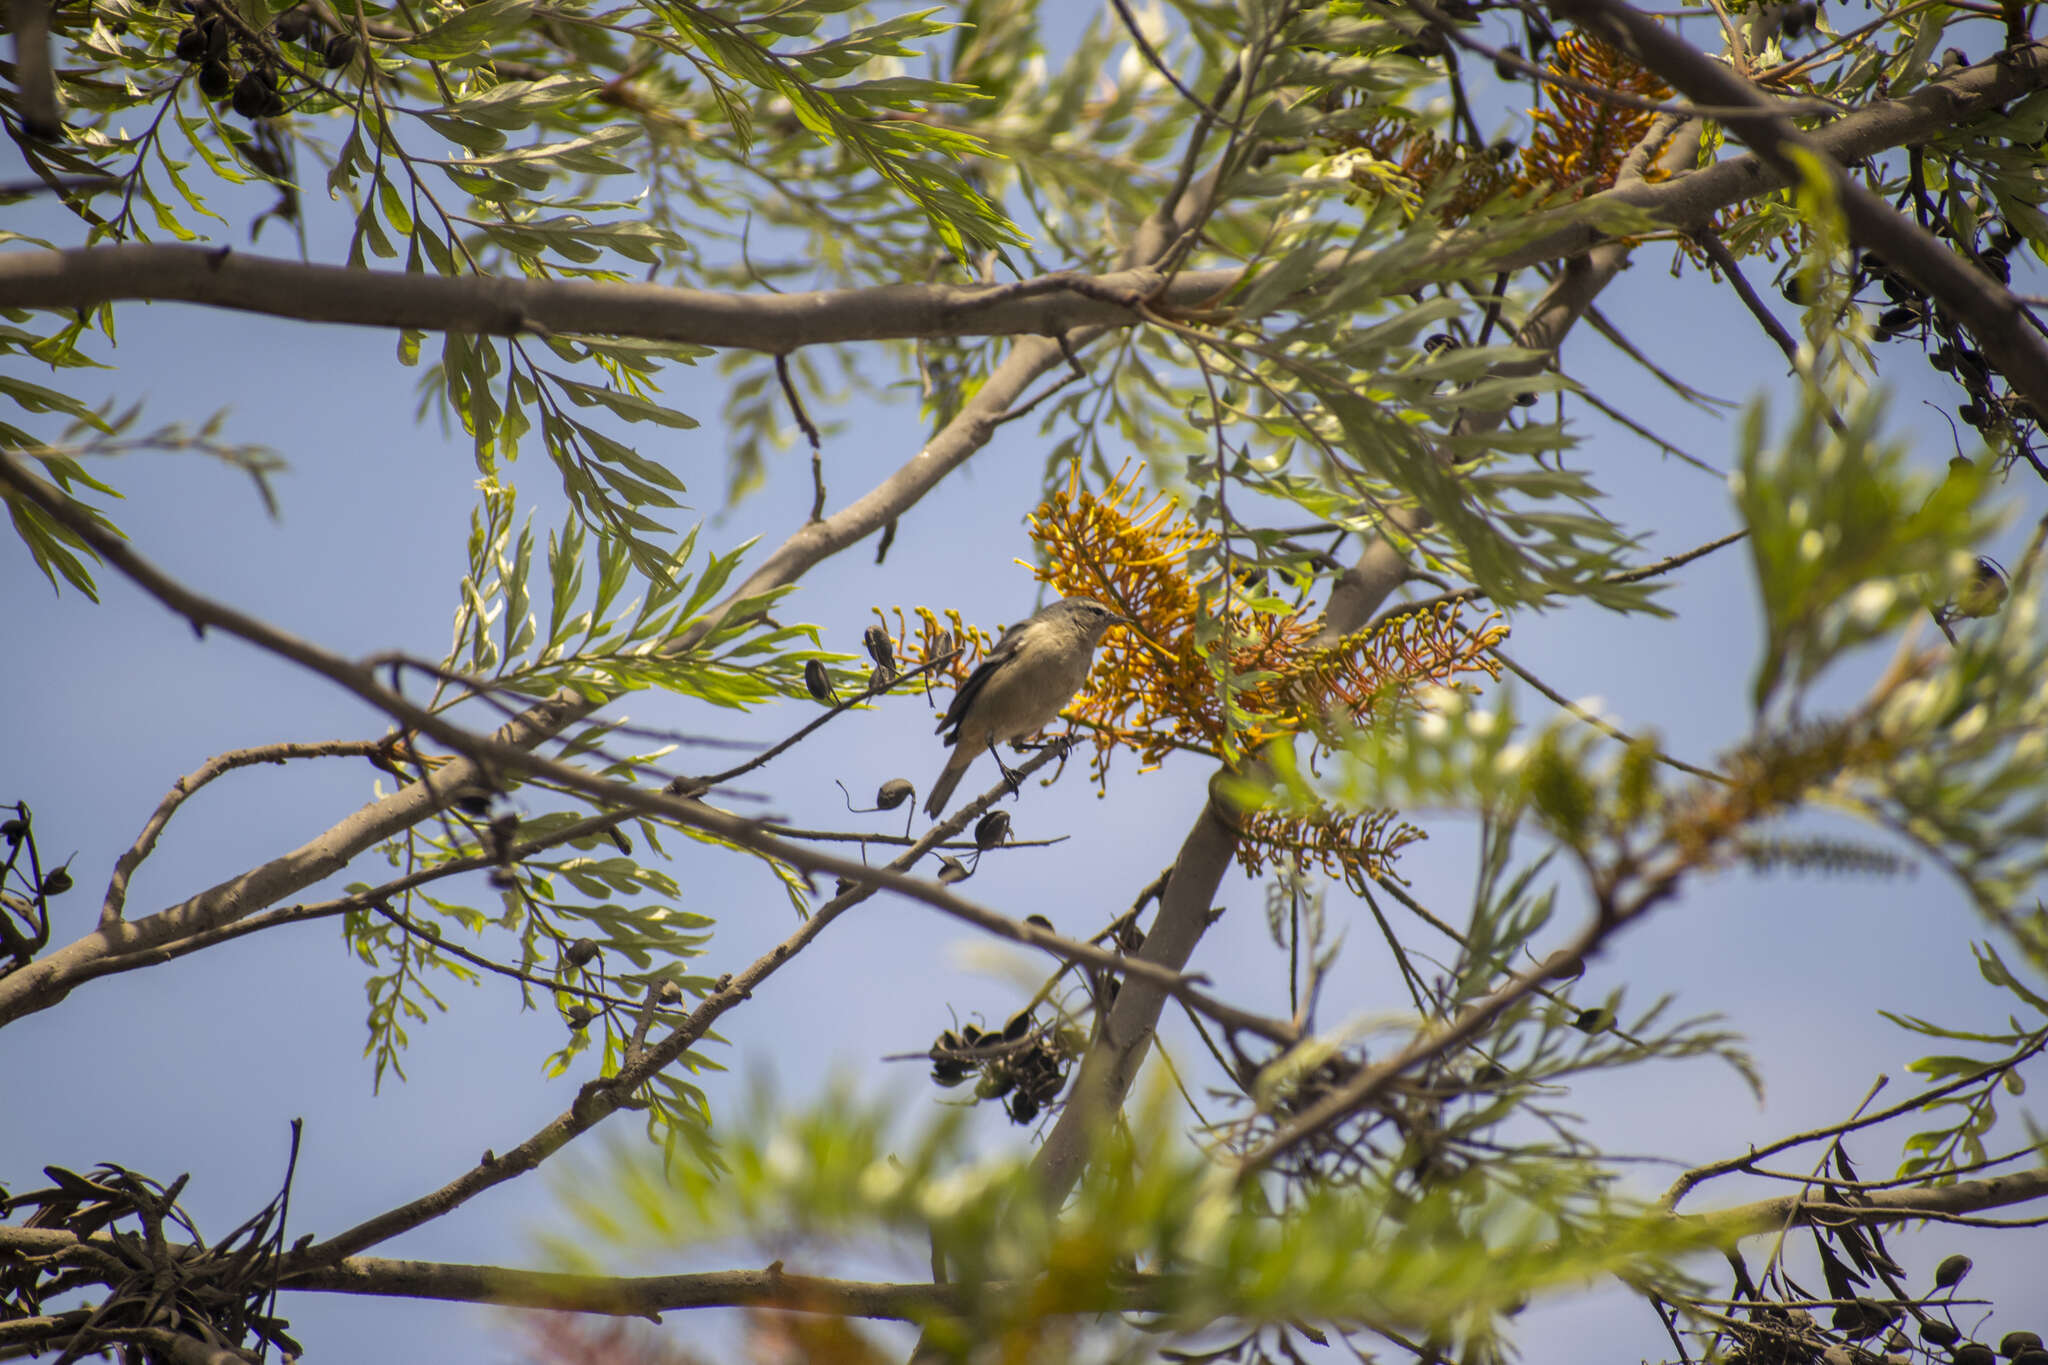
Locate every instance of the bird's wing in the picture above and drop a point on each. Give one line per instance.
(956, 710)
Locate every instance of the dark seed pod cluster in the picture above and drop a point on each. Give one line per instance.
(1023, 1065)
(238, 66)
(1991, 407)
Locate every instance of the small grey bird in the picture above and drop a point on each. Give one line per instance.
(1033, 671)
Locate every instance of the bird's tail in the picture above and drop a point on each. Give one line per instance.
(949, 778)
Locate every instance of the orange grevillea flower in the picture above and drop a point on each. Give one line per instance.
(1211, 664)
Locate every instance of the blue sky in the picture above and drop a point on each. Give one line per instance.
(196, 1066)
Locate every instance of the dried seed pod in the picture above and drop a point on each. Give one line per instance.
(952, 870)
(1935, 1332)
(338, 50)
(578, 1017)
(1018, 1027)
(14, 830)
(1973, 1353)
(992, 829)
(2014, 1344)
(879, 647)
(215, 80)
(580, 953)
(296, 25)
(818, 683)
(56, 882)
(191, 45)
(1595, 1020)
(894, 793)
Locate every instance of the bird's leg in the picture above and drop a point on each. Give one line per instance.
(1009, 774)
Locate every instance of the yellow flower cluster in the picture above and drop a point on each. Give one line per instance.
(1210, 665)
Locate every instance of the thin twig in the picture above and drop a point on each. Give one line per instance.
(1130, 23)
(1724, 260)
(810, 431)
(184, 787)
(1605, 727)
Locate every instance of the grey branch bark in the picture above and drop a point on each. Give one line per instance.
(1984, 305)
(222, 278)
(773, 1286)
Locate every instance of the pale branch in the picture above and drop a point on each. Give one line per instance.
(34, 82)
(1121, 1041)
(776, 1287)
(1977, 300)
(1879, 1208)
(299, 914)
(778, 323)
(145, 842)
(44, 982)
(634, 1296)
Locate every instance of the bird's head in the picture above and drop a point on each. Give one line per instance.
(1087, 617)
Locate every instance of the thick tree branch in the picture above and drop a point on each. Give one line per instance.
(224, 278)
(1977, 300)
(145, 842)
(774, 1287)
